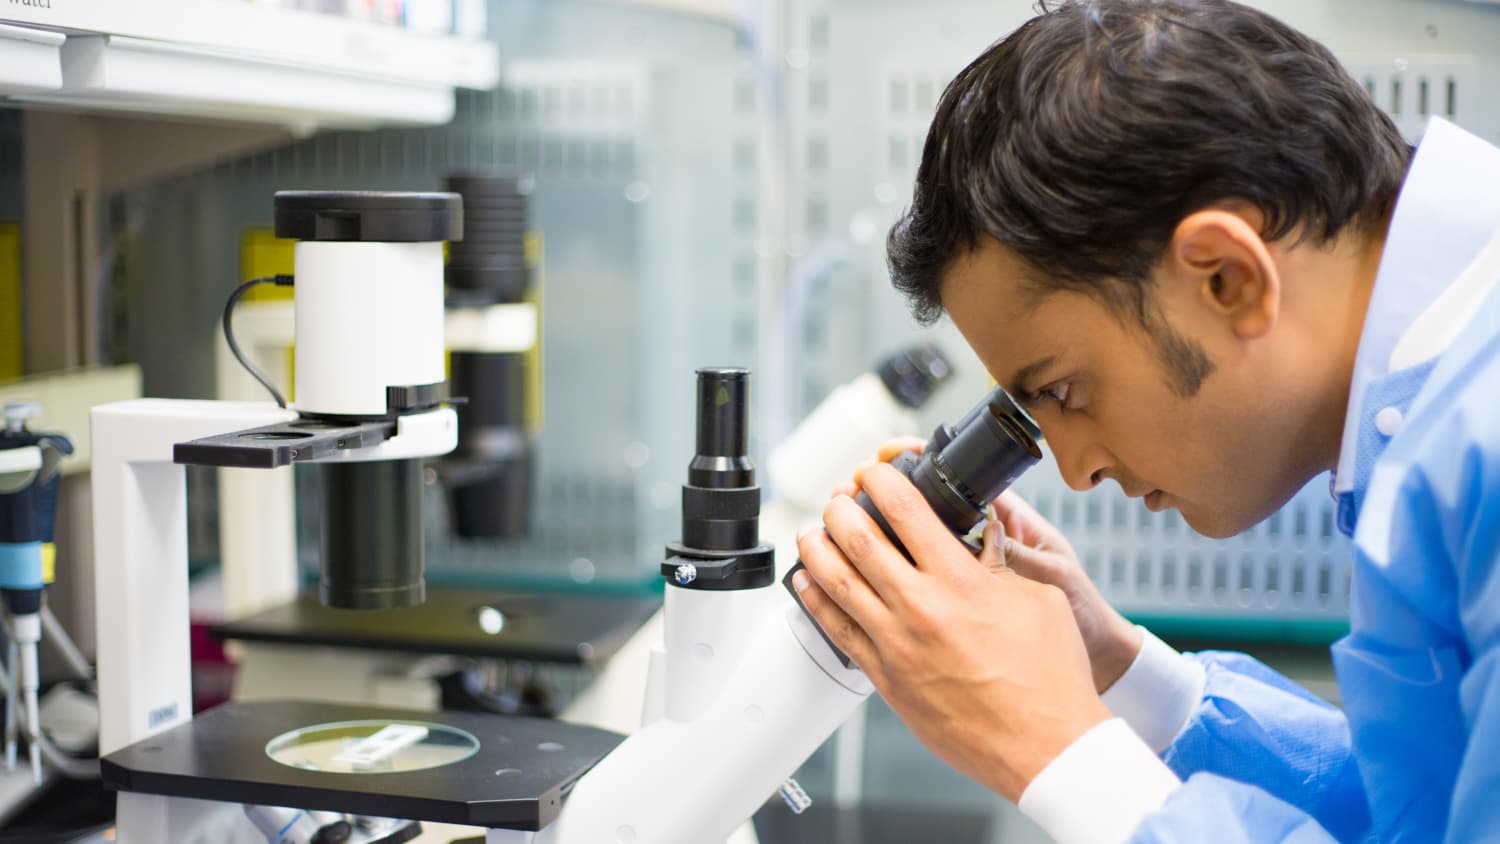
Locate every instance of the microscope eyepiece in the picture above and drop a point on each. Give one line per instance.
(721, 501)
(984, 454)
(722, 459)
(911, 375)
(963, 468)
(966, 466)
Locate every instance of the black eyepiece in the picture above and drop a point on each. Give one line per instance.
(985, 454)
(913, 374)
(960, 471)
(722, 459)
(720, 547)
(966, 466)
(963, 468)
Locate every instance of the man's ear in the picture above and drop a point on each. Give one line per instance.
(1218, 258)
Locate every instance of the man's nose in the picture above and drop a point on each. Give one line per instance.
(1084, 465)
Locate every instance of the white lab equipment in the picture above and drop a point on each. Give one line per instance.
(372, 430)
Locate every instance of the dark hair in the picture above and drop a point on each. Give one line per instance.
(1082, 139)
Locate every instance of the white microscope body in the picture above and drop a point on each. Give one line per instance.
(817, 455)
(742, 687)
(736, 723)
(734, 650)
(370, 381)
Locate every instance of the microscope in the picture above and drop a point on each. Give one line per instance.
(744, 685)
(372, 403)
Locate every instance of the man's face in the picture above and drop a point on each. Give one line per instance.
(1225, 456)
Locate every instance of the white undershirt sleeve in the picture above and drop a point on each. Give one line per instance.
(1158, 693)
(1100, 788)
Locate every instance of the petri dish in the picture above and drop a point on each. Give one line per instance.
(330, 747)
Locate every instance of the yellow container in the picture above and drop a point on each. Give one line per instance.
(12, 342)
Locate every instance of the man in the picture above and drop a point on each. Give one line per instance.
(1192, 247)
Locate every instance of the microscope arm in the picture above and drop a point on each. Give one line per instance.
(687, 780)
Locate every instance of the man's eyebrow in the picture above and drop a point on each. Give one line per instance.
(1026, 373)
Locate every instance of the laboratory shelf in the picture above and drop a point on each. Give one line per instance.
(237, 61)
(30, 59)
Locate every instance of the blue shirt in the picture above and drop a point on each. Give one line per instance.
(1415, 755)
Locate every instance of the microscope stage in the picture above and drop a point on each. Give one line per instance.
(514, 779)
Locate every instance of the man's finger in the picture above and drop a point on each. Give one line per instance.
(842, 630)
(839, 580)
(888, 451)
(891, 449)
(1032, 563)
(992, 553)
(925, 536)
(866, 546)
(1022, 522)
(859, 473)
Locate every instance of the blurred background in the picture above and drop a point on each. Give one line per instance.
(700, 183)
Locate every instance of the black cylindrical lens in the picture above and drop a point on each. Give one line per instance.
(722, 408)
(372, 534)
(491, 473)
(960, 470)
(720, 501)
(913, 374)
(495, 386)
(489, 265)
(967, 466)
(990, 449)
(722, 459)
(492, 499)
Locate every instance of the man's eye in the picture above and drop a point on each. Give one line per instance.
(1058, 393)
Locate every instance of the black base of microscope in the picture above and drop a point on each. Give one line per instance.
(509, 783)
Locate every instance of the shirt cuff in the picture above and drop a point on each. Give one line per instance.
(1158, 693)
(1100, 788)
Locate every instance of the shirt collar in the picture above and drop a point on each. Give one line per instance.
(1448, 209)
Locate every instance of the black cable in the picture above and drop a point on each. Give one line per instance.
(234, 298)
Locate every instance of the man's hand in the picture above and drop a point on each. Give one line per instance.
(1033, 548)
(986, 668)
